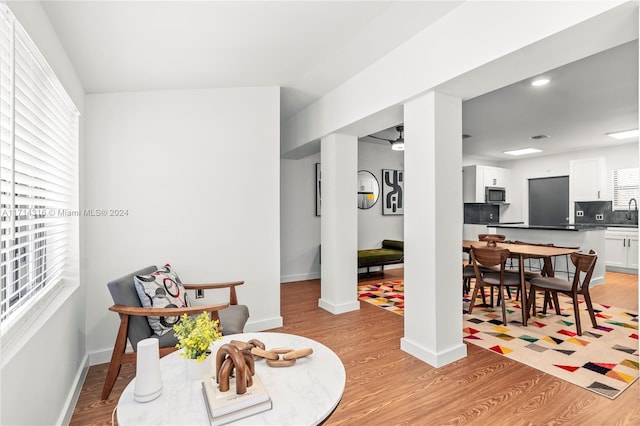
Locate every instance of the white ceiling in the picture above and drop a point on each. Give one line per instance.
(583, 101)
(307, 48)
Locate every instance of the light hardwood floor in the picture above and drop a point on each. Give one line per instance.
(386, 386)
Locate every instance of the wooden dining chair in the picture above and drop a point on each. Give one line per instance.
(468, 273)
(499, 278)
(585, 264)
(497, 238)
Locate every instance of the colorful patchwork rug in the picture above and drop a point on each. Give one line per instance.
(388, 295)
(603, 360)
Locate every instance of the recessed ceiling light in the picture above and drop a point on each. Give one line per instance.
(626, 134)
(523, 151)
(539, 81)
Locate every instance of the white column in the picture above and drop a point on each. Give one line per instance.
(433, 229)
(339, 224)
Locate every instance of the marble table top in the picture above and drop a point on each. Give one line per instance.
(303, 394)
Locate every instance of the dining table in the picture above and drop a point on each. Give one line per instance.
(521, 252)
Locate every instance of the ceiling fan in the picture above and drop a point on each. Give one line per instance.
(398, 144)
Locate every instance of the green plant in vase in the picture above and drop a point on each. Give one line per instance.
(195, 336)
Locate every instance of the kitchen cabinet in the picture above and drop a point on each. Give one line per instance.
(588, 179)
(621, 245)
(495, 176)
(475, 178)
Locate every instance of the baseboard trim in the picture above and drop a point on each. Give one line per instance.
(262, 325)
(434, 359)
(631, 271)
(338, 308)
(100, 357)
(299, 277)
(74, 393)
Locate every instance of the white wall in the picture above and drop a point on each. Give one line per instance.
(300, 227)
(198, 173)
(52, 351)
(617, 156)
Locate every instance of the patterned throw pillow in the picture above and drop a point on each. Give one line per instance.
(161, 289)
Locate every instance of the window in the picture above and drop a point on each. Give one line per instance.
(38, 173)
(625, 187)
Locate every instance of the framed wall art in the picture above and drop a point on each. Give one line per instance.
(392, 192)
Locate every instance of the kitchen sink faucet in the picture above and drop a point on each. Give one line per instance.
(628, 214)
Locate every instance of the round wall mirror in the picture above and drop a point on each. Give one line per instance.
(368, 189)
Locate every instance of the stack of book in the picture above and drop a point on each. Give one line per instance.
(226, 407)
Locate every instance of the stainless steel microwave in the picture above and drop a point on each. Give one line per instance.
(494, 194)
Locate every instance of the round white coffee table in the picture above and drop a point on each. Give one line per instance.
(303, 394)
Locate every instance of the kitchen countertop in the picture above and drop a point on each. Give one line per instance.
(575, 227)
(493, 223)
(565, 227)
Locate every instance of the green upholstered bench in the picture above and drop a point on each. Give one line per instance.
(391, 252)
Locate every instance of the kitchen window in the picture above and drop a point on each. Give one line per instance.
(39, 128)
(625, 187)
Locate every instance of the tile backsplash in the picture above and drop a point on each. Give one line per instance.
(481, 213)
(592, 209)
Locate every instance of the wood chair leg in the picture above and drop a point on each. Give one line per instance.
(587, 301)
(547, 300)
(110, 380)
(504, 306)
(116, 357)
(472, 302)
(531, 303)
(576, 314)
(556, 302)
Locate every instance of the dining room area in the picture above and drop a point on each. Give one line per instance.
(521, 302)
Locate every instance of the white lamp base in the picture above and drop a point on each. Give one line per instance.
(147, 397)
(148, 384)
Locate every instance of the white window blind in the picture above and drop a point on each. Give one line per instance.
(38, 172)
(625, 187)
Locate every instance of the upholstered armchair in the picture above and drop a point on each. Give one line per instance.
(135, 326)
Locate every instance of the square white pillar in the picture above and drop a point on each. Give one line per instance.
(433, 229)
(339, 224)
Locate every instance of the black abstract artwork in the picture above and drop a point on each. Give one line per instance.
(392, 192)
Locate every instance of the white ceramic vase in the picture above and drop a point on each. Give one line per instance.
(198, 370)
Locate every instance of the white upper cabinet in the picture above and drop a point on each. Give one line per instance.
(476, 178)
(495, 176)
(589, 179)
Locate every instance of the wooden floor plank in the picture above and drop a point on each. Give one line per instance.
(386, 386)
